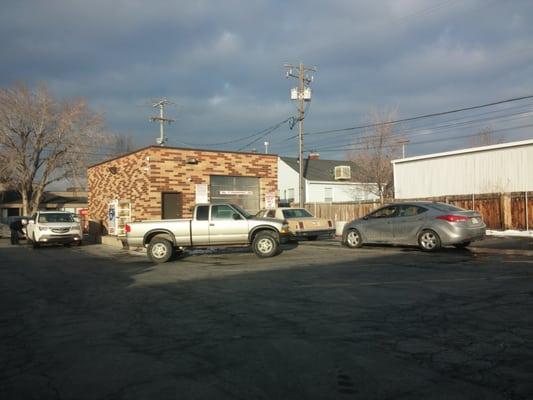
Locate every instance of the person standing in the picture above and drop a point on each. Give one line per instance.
(16, 229)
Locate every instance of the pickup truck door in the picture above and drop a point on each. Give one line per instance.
(227, 226)
(200, 226)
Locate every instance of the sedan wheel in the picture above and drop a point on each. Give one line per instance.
(429, 241)
(353, 239)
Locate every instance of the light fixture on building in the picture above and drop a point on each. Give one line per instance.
(192, 160)
(112, 170)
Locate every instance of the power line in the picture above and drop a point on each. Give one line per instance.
(435, 114)
(359, 147)
(266, 132)
(460, 122)
(447, 127)
(239, 138)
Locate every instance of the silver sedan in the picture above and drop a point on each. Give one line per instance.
(430, 225)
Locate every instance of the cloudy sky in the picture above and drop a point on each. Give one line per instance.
(221, 65)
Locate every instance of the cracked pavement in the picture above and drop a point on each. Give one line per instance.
(316, 322)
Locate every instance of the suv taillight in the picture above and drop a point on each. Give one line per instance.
(127, 228)
(453, 218)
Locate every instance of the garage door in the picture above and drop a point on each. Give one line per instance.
(241, 190)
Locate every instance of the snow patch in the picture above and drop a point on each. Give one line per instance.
(510, 233)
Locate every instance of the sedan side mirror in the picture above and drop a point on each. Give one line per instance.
(236, 216)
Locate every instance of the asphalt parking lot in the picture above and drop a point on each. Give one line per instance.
(316, 322)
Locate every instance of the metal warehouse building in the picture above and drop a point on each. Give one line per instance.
(165, 182)
(501, 168)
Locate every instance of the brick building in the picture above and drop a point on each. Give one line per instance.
(165, 182)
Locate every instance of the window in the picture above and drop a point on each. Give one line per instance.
(385, 212)
(296, 213)
(445, 207)
(290, 195)
(202, 213)
(49, 217)
(328, 195)
(222, 212)
(408, 210)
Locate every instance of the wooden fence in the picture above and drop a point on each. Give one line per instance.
(499, 210)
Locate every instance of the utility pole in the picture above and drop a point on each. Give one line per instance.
(161, 119)
(302, 94)
(403, 143)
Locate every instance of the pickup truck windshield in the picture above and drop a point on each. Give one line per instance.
(52, 217)
(242, 211)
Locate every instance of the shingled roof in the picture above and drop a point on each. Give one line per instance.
(318, 170)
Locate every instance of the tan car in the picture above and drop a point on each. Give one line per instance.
(302, 224)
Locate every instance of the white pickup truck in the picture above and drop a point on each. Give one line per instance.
(53, 227)
(213, 225)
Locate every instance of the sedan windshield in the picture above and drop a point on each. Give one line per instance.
(296, 213)
(59, 217)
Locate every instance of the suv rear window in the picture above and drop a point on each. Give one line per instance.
(296, 213)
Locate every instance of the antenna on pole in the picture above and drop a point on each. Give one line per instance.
(161, 119)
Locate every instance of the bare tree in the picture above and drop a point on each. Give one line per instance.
(377, 147)
(43, 141)
(486, 137)
(121, 144)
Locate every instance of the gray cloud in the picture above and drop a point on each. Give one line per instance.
(221, 62)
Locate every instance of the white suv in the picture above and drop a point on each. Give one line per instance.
(53, 227)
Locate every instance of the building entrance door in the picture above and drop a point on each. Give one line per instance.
(171, 205)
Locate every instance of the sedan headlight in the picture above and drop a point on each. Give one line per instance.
(43, 228)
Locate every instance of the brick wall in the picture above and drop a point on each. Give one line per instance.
(142, 176)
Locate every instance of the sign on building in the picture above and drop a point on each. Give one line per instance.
(201, 193)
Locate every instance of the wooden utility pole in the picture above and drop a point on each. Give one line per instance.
(302, 94)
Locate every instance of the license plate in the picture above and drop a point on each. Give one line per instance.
(474, 220)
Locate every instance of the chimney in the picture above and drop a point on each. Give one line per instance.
(314, 156)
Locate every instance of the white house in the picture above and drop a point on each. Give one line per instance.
(500, 168)
(325, 181)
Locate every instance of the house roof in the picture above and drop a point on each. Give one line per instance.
(317, 169)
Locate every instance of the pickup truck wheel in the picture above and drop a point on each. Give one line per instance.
(160, 250)
(265, 245)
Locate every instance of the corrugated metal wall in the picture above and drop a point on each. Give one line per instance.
(507, 169)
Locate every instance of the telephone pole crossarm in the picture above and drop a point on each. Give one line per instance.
(162, 120)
